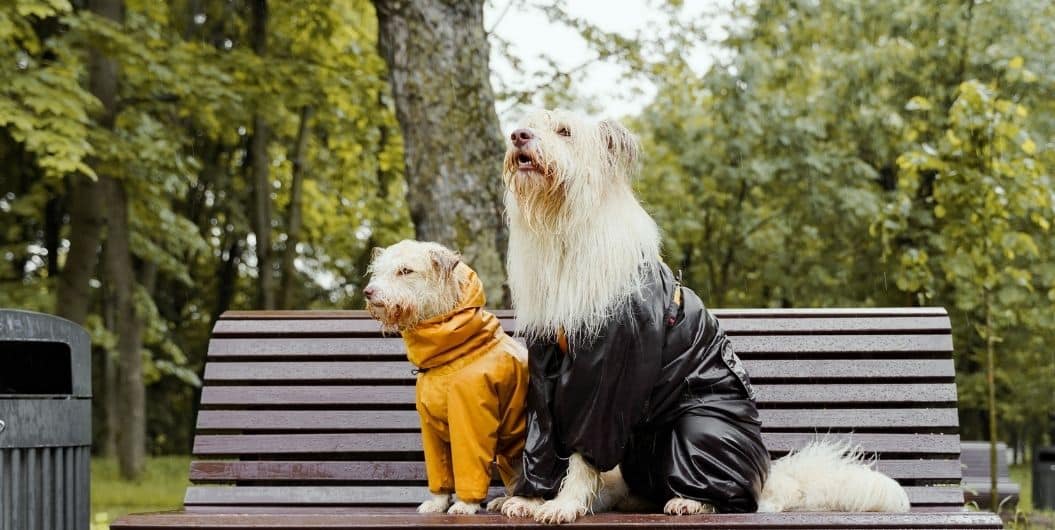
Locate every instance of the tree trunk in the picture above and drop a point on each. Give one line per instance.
(293, 219)
(129, 393)
(260, 166)
(87, 215)
(437, 55)
(109, 393)
(86, 223)
(131, 406)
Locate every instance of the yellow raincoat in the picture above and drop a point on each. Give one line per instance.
(471, 393)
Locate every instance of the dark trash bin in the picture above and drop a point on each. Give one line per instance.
(1044, 479)
(46, 430)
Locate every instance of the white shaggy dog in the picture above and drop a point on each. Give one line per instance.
(472, 376)
(580, 248)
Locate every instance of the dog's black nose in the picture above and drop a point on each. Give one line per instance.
(521, 137)
(369, 292)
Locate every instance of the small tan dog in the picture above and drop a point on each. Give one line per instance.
(472, 381)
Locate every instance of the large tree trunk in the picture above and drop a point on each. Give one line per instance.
(437, 55)
(131, 405)
(293, 218)
(128, 398)
(260, 165)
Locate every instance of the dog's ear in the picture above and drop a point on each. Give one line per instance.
(444, 261)
(622, 144)
(375, 252)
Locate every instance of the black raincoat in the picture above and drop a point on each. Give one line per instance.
(660, 391)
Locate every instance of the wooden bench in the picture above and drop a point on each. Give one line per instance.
(976, 485)
(307, 420)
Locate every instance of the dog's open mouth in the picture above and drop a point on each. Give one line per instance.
(525, 162)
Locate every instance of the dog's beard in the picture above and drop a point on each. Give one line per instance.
(394, 317)
(539, 191)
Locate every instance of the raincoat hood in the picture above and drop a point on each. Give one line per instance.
(466, 329)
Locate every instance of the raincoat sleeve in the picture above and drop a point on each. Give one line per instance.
(473, 417)
(437, 459)
(588, 400)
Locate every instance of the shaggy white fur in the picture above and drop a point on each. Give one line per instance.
(577, 493)
(412, 281)
(828, 476)
(578, 240)
(437, 504)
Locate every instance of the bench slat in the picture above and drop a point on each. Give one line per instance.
(400, 371)
(768, 394)
(793, 345)
(368, 518)
(410, 495)
(205, 471)
(733, 326)
(819, 312)
(403, 443)
(389, 420)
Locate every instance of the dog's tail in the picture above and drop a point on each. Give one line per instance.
(828, 475)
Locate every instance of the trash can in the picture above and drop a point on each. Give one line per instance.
(45, 422)
(1044, 479)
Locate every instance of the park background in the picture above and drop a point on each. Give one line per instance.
(162, 162)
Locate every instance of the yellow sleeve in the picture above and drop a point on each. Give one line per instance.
(472, 411)
(437, 459)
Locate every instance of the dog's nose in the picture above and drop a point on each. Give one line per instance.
(369, 292)
(521, 137)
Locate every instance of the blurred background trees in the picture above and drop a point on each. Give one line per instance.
(162, 162)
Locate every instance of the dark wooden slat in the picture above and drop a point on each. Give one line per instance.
(389, 420)
(823, 419)
(785, 345)
(768, 394)
(400, 371)
(379, 518)
(720, 313)
(736, 326)
(338, 471)
(347, 495)
(275, 420)
(391, 443)
(410, 495)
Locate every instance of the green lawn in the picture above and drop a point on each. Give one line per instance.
(161, 488)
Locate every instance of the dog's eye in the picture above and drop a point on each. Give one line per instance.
(563, 131)
(404, 271)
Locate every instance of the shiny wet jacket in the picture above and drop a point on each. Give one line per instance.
(660, 391)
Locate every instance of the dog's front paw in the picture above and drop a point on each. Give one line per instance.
(495, 506)
(464, 508)
(681, 506)
(437, 504)
(559, 512)
(521, 506)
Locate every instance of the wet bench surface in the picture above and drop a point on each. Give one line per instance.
(307, 420)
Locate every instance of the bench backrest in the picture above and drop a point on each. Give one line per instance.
(975, 459)
(312, 408)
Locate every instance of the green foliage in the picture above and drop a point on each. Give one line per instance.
(866, 153)
(188, 87)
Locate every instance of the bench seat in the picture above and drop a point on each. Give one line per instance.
(307, 420)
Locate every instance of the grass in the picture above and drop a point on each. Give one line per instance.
(1026, 517)
(161, 488)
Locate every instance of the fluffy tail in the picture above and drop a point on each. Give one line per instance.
(828, 475)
